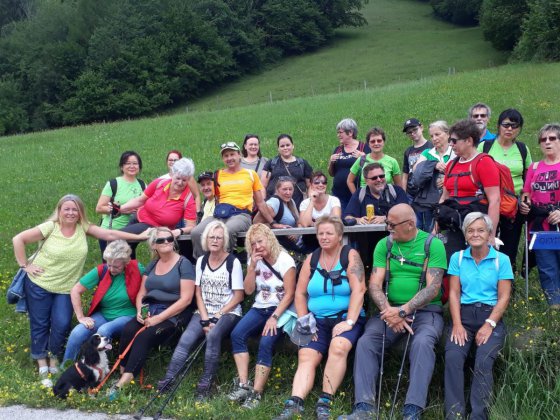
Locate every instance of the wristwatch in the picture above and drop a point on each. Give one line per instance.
(275, 316)
(402, 313)
(350, 322)
(491, 322)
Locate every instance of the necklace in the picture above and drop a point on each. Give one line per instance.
(329, 267)
(402, 259)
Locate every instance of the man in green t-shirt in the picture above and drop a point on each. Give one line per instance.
(408, 307)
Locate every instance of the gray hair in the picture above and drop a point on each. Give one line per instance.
(480, 105)
(118, 250)
(473, 217)
(211, 227)
(152, 236)
(347, 125)
(549, 127)
(183, 167)
(442, 125)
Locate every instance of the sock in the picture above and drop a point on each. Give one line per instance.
(325, 397)
(43, 370)
(297, 400)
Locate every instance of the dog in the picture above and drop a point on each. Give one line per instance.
(91, 366)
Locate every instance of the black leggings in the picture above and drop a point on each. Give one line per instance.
(510, 234)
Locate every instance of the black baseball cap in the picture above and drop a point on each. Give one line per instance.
(412, 122)
(205, 175)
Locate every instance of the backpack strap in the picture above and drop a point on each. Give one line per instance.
(113, 184)
(274, 271)
(142, 183)
(230, 259)
(487, 145)
(392, 192)
(362, 194)
(278, 216)
(315, 255)
(522, 147)
(216, 185)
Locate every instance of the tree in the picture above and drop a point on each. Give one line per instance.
(459, 12)
(501, 22)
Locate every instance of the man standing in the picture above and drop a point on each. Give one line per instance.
(236, 190)
(415, 132)
(480, 114)
(410, 305)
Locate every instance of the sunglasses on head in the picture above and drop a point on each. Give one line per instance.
(512, 125)
(160, 241)
(376, 177)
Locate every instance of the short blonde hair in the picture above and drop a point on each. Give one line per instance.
(211, 227)
(263, 230)
(152, 236)
(118, 250)
(331, 220)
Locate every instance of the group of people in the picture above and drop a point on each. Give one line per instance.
(323, 308)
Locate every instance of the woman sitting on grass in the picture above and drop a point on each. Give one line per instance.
(114, 300)
(479, 293)
(219, 293)
(54, 271)
(271, 274)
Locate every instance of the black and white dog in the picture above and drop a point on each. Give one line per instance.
(89, 370)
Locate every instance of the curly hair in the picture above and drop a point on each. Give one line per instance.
(118, 250)
(260, 229)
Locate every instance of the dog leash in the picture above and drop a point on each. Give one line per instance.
(117, 363)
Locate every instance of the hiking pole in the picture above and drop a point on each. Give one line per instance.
(526, 261)
(178, 381)
(387, 276)
(111, 215)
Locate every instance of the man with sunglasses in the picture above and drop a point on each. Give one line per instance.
(410, 304)
(480, 114)
(414, 131)
(382, 197)
(236, 189)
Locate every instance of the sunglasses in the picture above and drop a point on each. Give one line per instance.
(376, 177)
(160, 241)
(479, 115)
(549, 138)
(511, 125)
(318, 182)
(378, 141)
(392, 225)
(453, 140)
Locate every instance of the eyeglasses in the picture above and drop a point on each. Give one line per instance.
(376, 177)
(131, 164)
(378, 141)
(392, 225)
(411, 130)
(479, 115)
(549, 138)
(215, 238)
(160, 241)
(512, 125)
(319, 182)
(453, 140)
(172, 160)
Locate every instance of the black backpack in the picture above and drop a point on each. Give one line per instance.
(113, 183)
(229, 264)
(344, 260)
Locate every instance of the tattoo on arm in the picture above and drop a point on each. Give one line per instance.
(357, 268)
(376, 292)
(425, 296)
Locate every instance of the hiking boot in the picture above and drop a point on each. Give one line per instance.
(240, 391)
(323, 409)
(252, 400)
(291, 410)
(412, 412)
(202, 393)
(164, 385)
(361, 411)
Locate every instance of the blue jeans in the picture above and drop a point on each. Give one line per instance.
(102, 327)
(50, 315)
(548, 263)
(424, 220)
(251, 325)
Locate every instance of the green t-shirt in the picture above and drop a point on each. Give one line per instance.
(512, 159)
(432, 154)
(403, 283)
(390, 165)
(116, 302)
(126, 191)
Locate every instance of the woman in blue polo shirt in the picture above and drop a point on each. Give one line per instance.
(479, 293)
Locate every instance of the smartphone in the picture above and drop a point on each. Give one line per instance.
(145, 311)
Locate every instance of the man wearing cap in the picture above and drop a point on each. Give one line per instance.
(411, 305)
(480, 114)
(415, 132)
(236, 190)
(206, 182)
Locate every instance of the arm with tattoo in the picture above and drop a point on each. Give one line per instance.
(376, 288)
(434, 278)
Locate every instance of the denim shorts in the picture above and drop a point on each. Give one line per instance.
(324, 334)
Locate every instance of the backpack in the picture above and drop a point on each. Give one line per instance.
(508, 199)
(113, 184)
(230, 259)
(340, 148)
(487, 145)
(390, 187)
(344, 260)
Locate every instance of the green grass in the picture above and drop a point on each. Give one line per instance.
(403, 41)
(39, 168)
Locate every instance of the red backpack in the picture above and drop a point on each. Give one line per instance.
(508, 199)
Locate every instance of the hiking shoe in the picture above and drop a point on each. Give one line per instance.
(164, 385)
(45, 380)
(359, 415)
(412, 412)
(202, 393)
(53, 370)
(323, 409)
(240, 391)
(291, 410)
(252, 400)
(113, 393)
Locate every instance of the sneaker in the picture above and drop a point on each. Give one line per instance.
(240, 391)
(252, 400)
(113, 393)
(323, 409)
(164, 385)
(202, 393)
(45, 380)
(412, 412)
(53, 370)
(359, 414)
(291, 410)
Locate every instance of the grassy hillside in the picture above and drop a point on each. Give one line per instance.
(38, 169)
(403, 41)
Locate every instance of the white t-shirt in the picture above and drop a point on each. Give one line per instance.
(214, 285)
(270, 289)
(332, 202)
(287, 216)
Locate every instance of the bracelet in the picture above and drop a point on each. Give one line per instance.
(182, 231)
(204, 322)
(491, 322)
(275, 316)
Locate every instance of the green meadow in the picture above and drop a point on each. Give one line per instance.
(38, 169)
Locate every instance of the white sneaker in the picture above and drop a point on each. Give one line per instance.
(45, 380)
